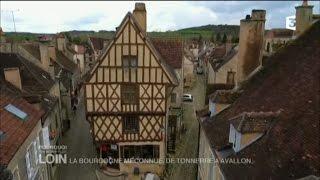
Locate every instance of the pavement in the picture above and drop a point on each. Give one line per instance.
(188, 146)
(80, 145)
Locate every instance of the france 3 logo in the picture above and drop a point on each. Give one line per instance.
(291, 22)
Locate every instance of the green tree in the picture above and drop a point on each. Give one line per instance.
(77, 40)
(218, 38)
(68, 36)
(224, 38)
(212, 37)
(235, 39)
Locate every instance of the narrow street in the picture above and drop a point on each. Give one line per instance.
(79, 144)
(188, 145)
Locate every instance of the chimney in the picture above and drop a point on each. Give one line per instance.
(251, 39)
(61, 42)
(140, 15)
(52, 52)
(44, 56)
(228, 44)
(12, 75)
(304, 17)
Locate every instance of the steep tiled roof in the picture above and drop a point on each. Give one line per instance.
(170, 50)
(16, 131)
(289, 82)
(34, 80)
(97, 42)
(252, 122)
(218, 52)
(163, 63)
(33, 49)
(66, 63)
(224, 96)
(218, 63)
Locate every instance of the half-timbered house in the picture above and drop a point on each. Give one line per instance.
(127, 94)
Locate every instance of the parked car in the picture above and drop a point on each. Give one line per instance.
(187, 97)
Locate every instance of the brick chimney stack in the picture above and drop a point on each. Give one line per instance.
(12, 75)
(140, 15)
(251, 41)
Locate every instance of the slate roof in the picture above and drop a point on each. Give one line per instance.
(170, 50)
(34, 80)
(16, 131)
(289, 82)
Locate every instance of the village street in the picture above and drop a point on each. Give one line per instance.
(79, 142)
(188, 145)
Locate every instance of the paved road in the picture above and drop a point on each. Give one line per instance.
(188, 146)
(79, 144)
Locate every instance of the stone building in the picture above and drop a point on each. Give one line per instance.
(127, 96)
(260, 126)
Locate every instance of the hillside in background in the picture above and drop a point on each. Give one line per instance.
(206, 32)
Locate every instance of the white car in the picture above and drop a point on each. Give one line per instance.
(187, 97)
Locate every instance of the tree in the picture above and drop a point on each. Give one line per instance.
(224, 39)
(77, 40)
(67, 35)
(235, 39)
(212, 37)
(218, 38)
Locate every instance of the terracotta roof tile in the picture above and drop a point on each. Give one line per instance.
(98, 42)
(16, 130)
(170, 50)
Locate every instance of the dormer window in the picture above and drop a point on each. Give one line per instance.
(248, 127)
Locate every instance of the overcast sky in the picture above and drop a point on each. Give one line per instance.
(52, 17)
